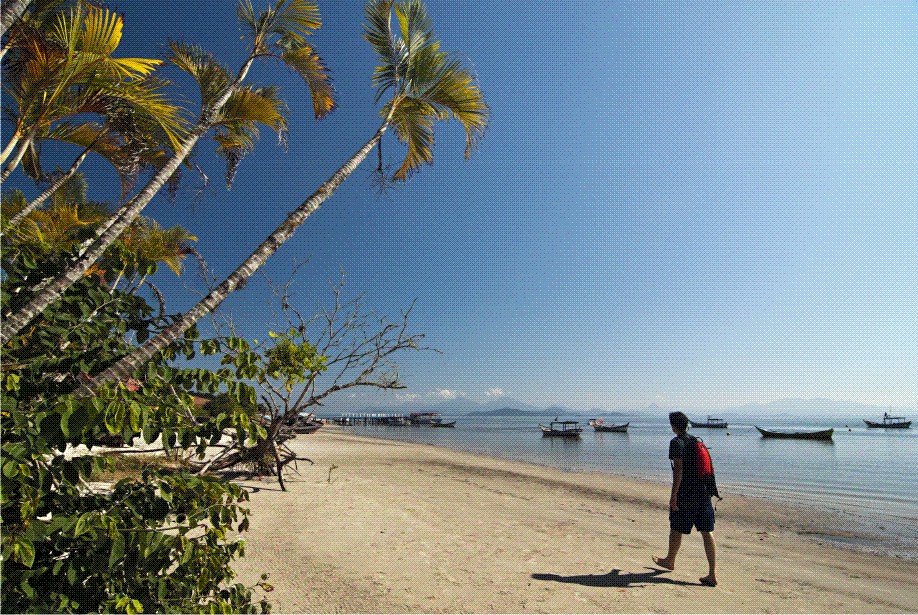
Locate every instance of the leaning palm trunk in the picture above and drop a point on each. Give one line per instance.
(51, 189)
(14, 141)
(17, 157)
(126, 366)
(12, 10)
(120, 221)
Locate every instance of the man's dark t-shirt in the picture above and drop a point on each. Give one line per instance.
(681, 447)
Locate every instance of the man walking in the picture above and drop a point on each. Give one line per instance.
(690, 502)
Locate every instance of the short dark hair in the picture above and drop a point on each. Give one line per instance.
(678, 420)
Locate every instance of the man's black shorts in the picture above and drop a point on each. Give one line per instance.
(701, 516)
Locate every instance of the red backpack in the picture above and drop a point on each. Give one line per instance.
(704, 468)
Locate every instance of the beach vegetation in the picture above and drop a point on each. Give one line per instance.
(86, 532)
(88, 362)
(300, 363)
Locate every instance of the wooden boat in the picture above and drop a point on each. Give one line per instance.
(824, 434)
(423, 418)
(561, 429)
(890, 422)
(442, 423)
(623, 428)
(711, 423)
(302, 427)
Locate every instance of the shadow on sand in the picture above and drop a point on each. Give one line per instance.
(614, 578)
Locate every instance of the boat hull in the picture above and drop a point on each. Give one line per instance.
(896, 425)
(611, 428)
(824, 434)
(306, 428)
(708, 425)
(560, 433)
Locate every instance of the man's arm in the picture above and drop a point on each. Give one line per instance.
(677, 480)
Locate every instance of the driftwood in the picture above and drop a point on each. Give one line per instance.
(267, 457)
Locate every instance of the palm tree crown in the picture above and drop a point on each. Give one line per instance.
(425, 84)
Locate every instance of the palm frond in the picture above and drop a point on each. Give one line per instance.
(415, 25)
(378, 32)
(250, 104)
(456, 91)
(102, 31)
(212, 77)
(413, 121)
(147, 241)
(12, 203)
(310, 67)
(284, 25)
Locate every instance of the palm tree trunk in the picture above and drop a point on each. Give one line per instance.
(126, 366)
(119, 222)
(12, 10)
(10, 146)
(51, 189)
(17, 157)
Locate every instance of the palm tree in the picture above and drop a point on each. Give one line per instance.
(278, 32)
(59, 75)
(425, 84)
(11, 11)
(58, 229)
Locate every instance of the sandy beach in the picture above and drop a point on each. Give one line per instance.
(381, 526)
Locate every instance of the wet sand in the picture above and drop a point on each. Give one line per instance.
(382, 526)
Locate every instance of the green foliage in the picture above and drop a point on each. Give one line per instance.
(48, 234)
(292, 360)
(158, 542)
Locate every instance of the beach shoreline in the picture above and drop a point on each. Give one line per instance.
(388, 526)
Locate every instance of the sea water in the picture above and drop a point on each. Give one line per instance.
(865, 476)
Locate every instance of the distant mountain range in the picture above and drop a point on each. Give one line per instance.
(507, 406)
(556, 410)
(807, 407)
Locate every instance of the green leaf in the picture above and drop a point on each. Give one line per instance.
(82, 524)
(10, 468)
(134, 416)
(117, 550)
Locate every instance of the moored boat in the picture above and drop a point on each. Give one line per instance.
(711, 423)
(442, 423)
(891, 422)
(822, 434)
(562, 429)
(599, 426)
(302, 427)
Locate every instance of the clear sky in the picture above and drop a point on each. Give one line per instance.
(700, 204)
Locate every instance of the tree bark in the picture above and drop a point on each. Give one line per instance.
(17, 157)
(126, 366)
(14, 140)
(120, 221)
(12, 10)
(51, 189)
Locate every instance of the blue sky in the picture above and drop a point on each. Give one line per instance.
(683, 203)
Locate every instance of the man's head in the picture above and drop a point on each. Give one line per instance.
(678, 421)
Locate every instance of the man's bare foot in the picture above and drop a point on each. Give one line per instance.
(662, 562)
(710, 580)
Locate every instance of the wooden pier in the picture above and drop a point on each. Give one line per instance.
(366, 419)
(414, 419)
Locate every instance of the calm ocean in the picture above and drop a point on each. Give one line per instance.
(865, 475)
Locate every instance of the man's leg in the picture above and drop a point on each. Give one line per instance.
(669, 562)
(711, 552)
